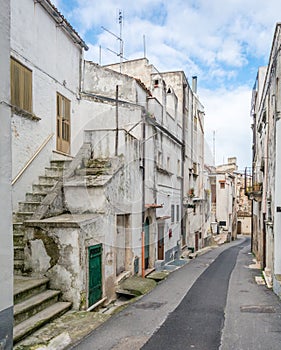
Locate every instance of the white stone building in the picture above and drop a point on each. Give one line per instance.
(180, 119)
(6, 247)
(266, 172)
(134, 192)
(45, 91)
(224, 199)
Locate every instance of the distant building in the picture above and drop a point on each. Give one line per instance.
(224, 198)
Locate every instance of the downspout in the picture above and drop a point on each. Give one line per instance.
(116, 121)
(183, 228)
(143, 191)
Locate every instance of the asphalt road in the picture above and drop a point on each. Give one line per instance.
(198, 321)
(211, 303)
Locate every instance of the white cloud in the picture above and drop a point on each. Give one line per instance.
(218, 40)
(228, 114)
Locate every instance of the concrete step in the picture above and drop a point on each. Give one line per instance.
(28, 326)
(18, 252)
(35, 304)
(18, 267)
(37, 188)
(54, 171)
(27, 287)
(35, 197)
(60, 163)
(28, 206)
(48, 180)
(22, 216)
(18, 239)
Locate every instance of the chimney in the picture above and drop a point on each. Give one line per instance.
(194, 84)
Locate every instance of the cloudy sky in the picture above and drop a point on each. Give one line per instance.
(223, 42)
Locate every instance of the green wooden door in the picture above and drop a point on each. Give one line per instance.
(146, 243)
(95, 275)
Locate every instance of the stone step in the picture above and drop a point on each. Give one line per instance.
(18, 267)
(18, 239)
(18, 228)
(58, 163)
(35, 304)
(93, 171)
(35, 197)
(27, 327)
(28, 206)
(54, 171)
(22, 216)
(37, 188)
(18, 252)
(48, 180)
(26, 287)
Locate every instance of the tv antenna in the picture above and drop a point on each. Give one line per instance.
(121, 47)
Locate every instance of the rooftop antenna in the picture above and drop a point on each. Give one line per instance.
(214, 147)
(121, 53)
(144, 47)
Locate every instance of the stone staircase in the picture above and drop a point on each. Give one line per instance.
(34, 305)
(28, 207)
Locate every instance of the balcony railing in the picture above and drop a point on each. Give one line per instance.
(254, 191)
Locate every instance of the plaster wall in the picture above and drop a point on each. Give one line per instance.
(103, 81)
(139, 68)
(6, 247)
(42, 46)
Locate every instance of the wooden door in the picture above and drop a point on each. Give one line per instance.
(63, 124)
(161, 242)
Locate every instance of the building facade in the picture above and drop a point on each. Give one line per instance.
(265, 187)
(6, 248)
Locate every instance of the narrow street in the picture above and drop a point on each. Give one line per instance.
(213, 302)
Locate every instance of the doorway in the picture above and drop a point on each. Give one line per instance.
(146, 243)
(95, 274)
(63, 124)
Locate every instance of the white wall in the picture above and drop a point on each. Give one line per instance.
(6, 246)
(54, 59)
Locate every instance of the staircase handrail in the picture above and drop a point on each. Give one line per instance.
(20, 173)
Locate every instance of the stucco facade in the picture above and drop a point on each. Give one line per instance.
(266, 171)
(6, 247)
(36, 44)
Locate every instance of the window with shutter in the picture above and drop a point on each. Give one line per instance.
(21, 86)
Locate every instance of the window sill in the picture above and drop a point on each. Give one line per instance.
(25, 114)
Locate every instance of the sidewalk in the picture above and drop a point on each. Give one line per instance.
(253, 312)
(67, 330)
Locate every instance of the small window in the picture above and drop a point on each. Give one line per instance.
(222, 185)
(168, 163)
(172, 213)
(156, 83)
(178, 213)
(21, 86)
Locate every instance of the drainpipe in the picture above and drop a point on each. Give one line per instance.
(277, 200)
(183, 228)
(143, 191)
(116, 121)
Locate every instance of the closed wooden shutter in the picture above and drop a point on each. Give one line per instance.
(21, 86)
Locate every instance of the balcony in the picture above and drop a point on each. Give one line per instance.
(254, 192)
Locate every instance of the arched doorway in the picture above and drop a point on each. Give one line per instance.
(146, 243)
